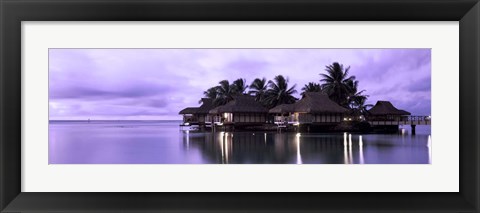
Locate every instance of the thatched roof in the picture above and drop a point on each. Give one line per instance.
(313, 102)
(317, 102)
(386, 108)
(283, 108)
(241, 103)
(207, 105)
(189, 110)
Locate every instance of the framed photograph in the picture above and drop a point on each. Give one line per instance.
(239, 106)
(271, 119)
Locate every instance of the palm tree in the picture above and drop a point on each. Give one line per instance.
(258, 88)
(311, 87)
(238, 86)
(360, 106)
(336, 83)
(225, 93)
(211, 93)
(279, 93)
(356, 99)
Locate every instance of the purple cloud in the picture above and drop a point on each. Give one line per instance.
(139, 90)
(157, 83)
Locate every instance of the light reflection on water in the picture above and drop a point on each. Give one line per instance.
(164, 143)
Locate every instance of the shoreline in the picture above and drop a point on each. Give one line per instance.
(359, 127)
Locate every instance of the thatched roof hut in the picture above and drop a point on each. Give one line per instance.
(313, 103)
(386, 108)
(316, 103)
(207, 105)
(240, 104)
(283, 108)
(189, 110)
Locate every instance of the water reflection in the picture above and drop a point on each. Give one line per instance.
(350, 148)
(136, 142)
(299, 155)
(188, 139)
(360, 149)
(296, 148)
(429, 145)
(345, 152)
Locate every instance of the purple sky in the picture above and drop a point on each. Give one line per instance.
(157, 83)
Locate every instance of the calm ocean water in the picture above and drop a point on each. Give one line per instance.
(162, 142)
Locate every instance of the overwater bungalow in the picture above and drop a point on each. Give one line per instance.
(384, 117)
(198, 115)
(385, 111)
(242, 110)
(284, 114)
(314, 112)
(189, 115)
(314, 108)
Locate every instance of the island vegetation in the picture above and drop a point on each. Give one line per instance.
(333, 103)
(336, 82)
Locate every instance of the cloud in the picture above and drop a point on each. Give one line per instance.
(157, 83)
(138, 90)
(243, 65)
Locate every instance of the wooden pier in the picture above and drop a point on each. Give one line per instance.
(412, 120)
(406, 120)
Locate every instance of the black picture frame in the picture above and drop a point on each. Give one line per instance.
(13, 12)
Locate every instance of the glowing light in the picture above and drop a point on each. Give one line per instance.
(221, 148)
(350, 148)
(299, 156)
(344, 119)
(188, 142)
(360, 149)
(186, 123)
(226, 151)
(298, 134)
(345, 153)
(429, 145)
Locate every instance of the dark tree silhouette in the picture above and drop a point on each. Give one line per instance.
(356, 99)
(336, 83)
(258, 88)
(239, 86)
(211, 93)
(224, 92)
(311, 87)
(279, 93)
